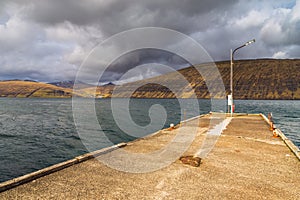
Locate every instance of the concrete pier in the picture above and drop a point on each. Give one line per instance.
(247, 162)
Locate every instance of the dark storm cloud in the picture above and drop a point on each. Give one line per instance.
(48, 39)
(139, 57)
(114, 16)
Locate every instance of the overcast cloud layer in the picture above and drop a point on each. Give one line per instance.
(47, 40)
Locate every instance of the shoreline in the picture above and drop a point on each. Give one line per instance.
(1, 97)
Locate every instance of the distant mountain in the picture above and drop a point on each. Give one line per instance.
(70, 84)
(109, 84)
(101, 91)
(27, 80)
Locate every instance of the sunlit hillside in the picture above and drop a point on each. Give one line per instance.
(253, 79)
(32, 89)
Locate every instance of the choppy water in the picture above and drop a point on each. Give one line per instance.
(36, 133)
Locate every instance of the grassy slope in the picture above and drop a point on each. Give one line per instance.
(253, 79)
(32, 89)
(99, 91)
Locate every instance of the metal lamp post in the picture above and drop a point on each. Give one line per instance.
(230, 97)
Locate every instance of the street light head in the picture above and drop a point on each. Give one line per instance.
(250, 42)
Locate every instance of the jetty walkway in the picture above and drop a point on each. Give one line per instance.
(247, 162)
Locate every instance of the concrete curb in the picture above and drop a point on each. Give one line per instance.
(57, 167)
(190, 119)
(161, 131)
(287, 141)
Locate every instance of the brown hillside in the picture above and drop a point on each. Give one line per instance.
(32, 89)
(97, 91)
(253, 79)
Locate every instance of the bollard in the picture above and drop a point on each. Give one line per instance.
(275, 133)
(270, 118)
(271, 126)
(172, 127)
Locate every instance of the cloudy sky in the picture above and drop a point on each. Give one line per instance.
(47, 40)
